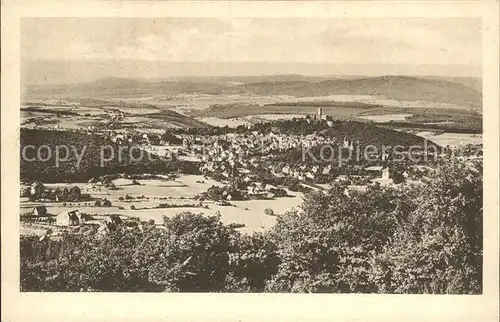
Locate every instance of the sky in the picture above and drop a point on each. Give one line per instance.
(63, 49)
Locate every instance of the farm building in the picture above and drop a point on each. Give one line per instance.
(40, 211)
(114, 219)
(68, 218)
(378, 171)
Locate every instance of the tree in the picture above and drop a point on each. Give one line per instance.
(25, 192)
(438, 249)
(195, 254)
(278, 192)
(254, 263)
(238, 184)
(397, 177)
(75, 193)
(327, 246)
(269, 212)
(215, 193)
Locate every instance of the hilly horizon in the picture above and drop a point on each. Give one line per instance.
(457, 90)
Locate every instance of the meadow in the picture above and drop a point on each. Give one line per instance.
(181, 191)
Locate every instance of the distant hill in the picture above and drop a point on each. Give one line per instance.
(395, 87)
(113, 82)
(253, 79)
(473, 82)
(362, 134)
(369, 134)
(112, 87)
(432, 89)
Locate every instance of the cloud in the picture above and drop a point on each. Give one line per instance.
(415, 41)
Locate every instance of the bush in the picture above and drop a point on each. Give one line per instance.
(269, 212)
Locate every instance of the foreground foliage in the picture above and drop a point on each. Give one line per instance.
(424, 238)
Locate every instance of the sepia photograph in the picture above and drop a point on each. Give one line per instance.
(251, 155)
(266, 154)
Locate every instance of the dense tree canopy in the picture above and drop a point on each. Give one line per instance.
(412, 238)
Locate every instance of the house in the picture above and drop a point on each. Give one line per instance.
(115, 220)
(310, 175)
(382, 173)
(378, 171)
(260, 185)
(348, 144)
(40, 211)
(104, 228)
(243, 170)
(385, 173)
(68, 218)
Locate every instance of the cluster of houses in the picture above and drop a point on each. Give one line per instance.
(236, 155)
(38, 191)
(137, 138)
(76, 218)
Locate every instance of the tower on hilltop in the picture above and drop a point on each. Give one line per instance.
(320, 113)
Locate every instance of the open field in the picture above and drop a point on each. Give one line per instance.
(452, 139)
(103, 114)
(159, 105)
(273, 117)
(386, 117)
(178, 192)
(221, 122)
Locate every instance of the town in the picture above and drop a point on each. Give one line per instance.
(262, 162)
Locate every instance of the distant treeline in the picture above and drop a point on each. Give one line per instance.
(51, 111)
(326, 104)
(451, 127)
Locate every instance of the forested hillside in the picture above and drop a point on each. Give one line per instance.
(83, 161)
